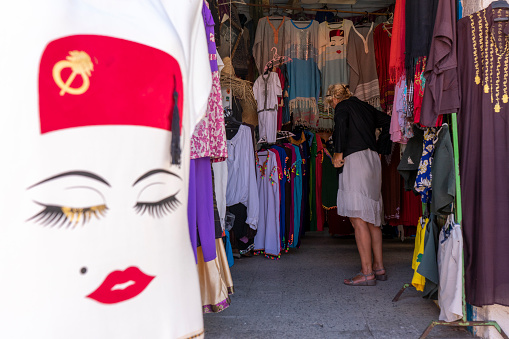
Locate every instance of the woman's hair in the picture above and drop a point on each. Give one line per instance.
(338, 91)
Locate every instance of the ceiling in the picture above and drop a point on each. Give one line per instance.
(360, 5)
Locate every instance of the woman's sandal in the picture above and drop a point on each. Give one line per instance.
(365, 282)
(381, 276)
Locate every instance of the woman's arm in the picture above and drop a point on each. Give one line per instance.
(340, 135)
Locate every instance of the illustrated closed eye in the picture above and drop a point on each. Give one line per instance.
(160, 208)
(59, 216)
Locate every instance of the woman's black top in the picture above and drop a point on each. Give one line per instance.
(355, 126)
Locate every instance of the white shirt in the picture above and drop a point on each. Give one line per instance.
(266, 90)
(242, 187)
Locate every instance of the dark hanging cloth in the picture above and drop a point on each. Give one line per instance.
(391, 185)
(441, 93)
(484, 150)
(409, 164)
(214, 10)
(419, 21)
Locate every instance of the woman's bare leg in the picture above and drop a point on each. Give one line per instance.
(363, 240)
(376, 245)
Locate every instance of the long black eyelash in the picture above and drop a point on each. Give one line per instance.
(160, 208)
(50, 216)
(54, 215)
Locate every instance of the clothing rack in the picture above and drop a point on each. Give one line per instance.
(311, 9)
(463, 322)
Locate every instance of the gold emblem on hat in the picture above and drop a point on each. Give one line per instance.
(81, 64)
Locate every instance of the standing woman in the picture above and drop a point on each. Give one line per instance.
(360, 180)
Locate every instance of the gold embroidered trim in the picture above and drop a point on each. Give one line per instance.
(489, 54)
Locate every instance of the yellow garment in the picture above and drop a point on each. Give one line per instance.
(418, 280)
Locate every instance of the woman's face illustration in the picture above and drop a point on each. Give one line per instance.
(108, 217)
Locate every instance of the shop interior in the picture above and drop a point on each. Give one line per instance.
(281, 240)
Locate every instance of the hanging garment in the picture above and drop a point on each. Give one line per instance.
(297, 197)
(360, 55)
(312, 185)
(391, 185)
(418, 281)
(420, 21)
(267, 237)
(450, 268)
(270, 33)
(216, 282)
(241, 187)
(397, 61)
(301, 45)
(332, 42)
(411, 158)
(423, 181)
(382, 39)
(397, 110)
(325, 116)
(290, 154)
(329, 181)
(442, 90)
(282, 80)
(282, 193)
(320, 213)
(482, 127)
(443, 174)
(98, 198)
(267, 89)
(419, 86)
(428, 267)
(411, 209)
(201, 207)
(220, 176)
(209, 137)
(283, 69)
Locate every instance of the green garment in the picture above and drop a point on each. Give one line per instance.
(329, 182)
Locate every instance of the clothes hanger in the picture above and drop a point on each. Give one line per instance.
(277, 12)
(500, 4)
(281, 59)
(301, 16)
(365, 21)
(336, 18)
(390, 20)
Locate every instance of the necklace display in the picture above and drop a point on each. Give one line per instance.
(490, 58)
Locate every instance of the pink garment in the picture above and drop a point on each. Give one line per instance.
(209, 137)
(395, 130)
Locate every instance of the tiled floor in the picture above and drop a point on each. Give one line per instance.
(302, 295)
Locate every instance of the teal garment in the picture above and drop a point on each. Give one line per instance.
(228, 248)
(297, 196)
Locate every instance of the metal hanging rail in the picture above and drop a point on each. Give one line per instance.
(309, 9)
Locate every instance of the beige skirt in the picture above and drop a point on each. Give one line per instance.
(360, 188)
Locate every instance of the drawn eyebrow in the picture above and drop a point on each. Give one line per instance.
(71, 173)
(149, 173)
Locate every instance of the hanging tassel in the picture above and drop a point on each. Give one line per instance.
(175, 129)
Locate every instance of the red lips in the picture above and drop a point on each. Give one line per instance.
(121, 285)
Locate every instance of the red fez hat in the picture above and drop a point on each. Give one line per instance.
(90, 80)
